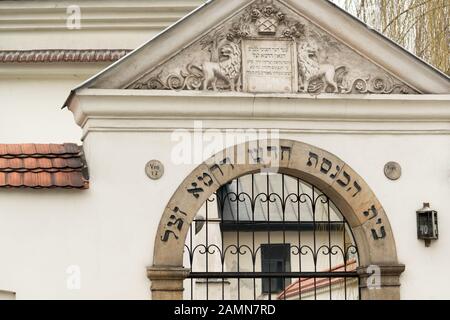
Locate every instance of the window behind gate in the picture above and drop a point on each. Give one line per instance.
(270, 236)
(275, 258)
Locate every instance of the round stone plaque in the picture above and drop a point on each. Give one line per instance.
(154, 169)
(392, 170)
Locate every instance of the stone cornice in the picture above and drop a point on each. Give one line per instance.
(96, 15)
(103, 110)
(57, 70)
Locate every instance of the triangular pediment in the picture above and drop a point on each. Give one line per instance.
(266, 46)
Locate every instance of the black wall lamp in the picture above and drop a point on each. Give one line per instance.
(427, 224)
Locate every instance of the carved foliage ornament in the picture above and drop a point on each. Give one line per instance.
(323, 65)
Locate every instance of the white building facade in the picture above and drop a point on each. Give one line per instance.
(288, 91)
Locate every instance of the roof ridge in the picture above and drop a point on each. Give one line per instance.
(38, 149)
(62, 55)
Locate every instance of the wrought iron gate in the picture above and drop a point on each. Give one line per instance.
(270, 236)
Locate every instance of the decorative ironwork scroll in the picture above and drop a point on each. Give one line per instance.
(227, 247)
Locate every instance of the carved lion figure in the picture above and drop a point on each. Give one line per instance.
(228, 68)
(311, 68)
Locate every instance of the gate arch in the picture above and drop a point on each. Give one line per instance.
(348, 191)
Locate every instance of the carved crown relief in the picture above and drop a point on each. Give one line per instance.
(267, 47)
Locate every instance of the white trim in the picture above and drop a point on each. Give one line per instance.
(103, 110)
(55, 70)
(103, 15)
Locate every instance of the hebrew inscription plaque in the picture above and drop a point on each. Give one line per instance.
(269, 66)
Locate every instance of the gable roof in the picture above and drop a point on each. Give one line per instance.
(352, 32)
(43, 166)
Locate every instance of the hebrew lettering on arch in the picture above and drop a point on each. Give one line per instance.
(344, 183)
(177, 210)
(284, 150)
(326, 166)
(206, 178)
(217, 166)
(256, 158)
(227, 161)
(373, 210)
(334, 175)
(167, 234)
(177, 222)
(377, 236)
(272, 149)
(358, 187)
(195, 190)
(312, 156)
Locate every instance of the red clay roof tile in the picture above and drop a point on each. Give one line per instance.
(45, 180)
(15, 179)
(2, 178)
(57, 149)
(30, 179)
(72, 163)
(39, 150)
(43, 166)
(28, 148)
(15, 163)
(14, 149)
(30, 163)
(42, 149)
(71, 148)
(44, 163)
(60, 179)
(59, 163)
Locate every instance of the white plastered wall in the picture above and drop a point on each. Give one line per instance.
(109, 230)
(31, 94)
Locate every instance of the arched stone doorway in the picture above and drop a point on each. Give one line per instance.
(348, 191)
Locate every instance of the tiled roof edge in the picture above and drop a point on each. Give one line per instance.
(61, 55)
(43, 166)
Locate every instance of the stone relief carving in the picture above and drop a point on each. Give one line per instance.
(263, 18)
(227, 68)
(317, 75)
(323, 64)
(223, 66)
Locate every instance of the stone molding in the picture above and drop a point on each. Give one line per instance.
(390, 274)
(389, 282)
(105, 15)
(102, 109)
(167, 282)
